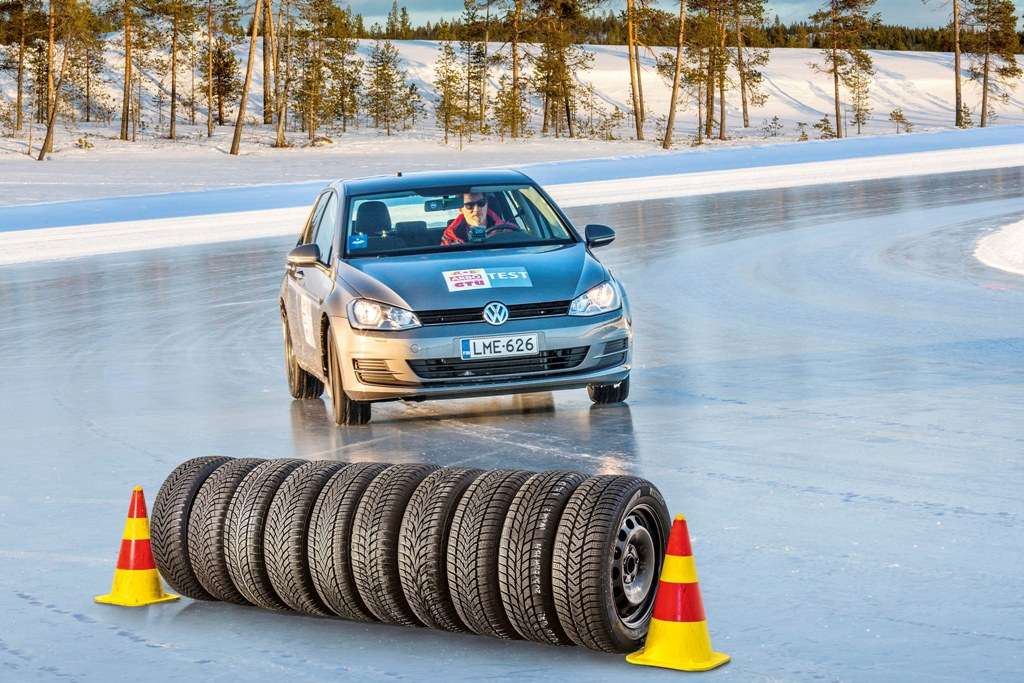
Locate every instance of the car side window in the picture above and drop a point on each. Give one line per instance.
(314, 217)
(325, 229)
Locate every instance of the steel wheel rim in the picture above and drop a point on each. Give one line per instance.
(635, 566)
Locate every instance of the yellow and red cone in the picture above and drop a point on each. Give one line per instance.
(136, 580)
(678, 635)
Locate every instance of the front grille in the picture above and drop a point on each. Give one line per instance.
(448, 316)
(456, 368)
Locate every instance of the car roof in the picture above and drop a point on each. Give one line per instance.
(428, 179)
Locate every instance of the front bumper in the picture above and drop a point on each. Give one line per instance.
(376, 365)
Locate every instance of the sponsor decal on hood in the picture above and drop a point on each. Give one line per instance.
(486, 278)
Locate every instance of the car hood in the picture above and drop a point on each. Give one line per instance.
(419, 282)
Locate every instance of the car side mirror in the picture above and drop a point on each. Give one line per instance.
(304, 255)
(599, 235)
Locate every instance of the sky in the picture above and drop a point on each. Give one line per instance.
(907, 12)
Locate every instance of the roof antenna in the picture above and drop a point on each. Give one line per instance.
(399, 174)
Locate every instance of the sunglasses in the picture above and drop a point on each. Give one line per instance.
(480, 203)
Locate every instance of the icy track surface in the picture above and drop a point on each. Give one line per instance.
(827, 383)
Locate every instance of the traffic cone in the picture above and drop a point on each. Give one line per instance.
(136, 581)
(678, 636)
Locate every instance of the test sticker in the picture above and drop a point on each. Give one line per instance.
(470, 278)
(487, 278)
(357, 241)
(513, 276)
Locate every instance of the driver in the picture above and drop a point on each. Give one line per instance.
(474, 214)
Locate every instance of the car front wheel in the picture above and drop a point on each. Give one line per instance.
(609, 393)
(346, 411)
(301, 384)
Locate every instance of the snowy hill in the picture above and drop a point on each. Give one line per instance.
(918, 82)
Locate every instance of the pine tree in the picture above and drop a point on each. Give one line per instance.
(404, 24)
(749, 60)
(448, 89)
(843, 26)
(561, 62)
(179, 17)
(222, 82)
(74, 18)
(345, 69)
(510, 112)
(518, 25)
(824, 128)
(677, 74)
(899, 118)
(473, 55)
(992, 43)
(236, 140)
(392, 27)
(386, 86)
(860, 84)
(26, 22)
(634, 68)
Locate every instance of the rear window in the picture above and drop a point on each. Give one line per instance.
(479, 217)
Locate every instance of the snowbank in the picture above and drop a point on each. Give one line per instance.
(1003, 249)
(162, 222)
(23, 246)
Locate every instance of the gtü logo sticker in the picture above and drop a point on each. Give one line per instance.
(486, 278)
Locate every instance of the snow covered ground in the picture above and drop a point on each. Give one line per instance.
(1003, 249)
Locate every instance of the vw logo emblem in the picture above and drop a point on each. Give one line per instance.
(496, 313)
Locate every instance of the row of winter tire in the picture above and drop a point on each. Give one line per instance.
(505, 553)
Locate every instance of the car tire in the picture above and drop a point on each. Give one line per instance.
(330, 539)
(609, 393)
(301, 384)
(346, 411)
(374, 549)
(285, 537)
(206, 529)
(423, 545)
(168, 534)
(472, 557)
(608, 519)
(243, 533)
(525, 555)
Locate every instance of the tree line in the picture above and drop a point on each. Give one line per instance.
(505, 67)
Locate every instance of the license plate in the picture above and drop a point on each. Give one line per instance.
(489, 347)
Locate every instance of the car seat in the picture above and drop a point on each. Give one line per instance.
(373, 219)
(413, 232)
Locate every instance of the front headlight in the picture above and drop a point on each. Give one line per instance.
(600, 299)
(365, 314)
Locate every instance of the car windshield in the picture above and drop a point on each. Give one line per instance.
(451, 219)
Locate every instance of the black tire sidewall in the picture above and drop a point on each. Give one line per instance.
(627, 639)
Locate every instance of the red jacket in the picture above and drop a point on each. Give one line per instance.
(457, 231)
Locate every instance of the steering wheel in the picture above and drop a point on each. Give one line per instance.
(506, 226)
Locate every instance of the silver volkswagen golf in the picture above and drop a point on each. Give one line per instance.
(449, 285)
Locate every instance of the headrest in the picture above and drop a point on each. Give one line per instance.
(373, 218)
(410, 227)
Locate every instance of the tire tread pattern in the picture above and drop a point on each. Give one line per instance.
(286, 534)
(525, 555)
(330, 539)
(243, 538)
(206, 529)
(423, 543)
(168, 529)
(472, 557)
(374, 549)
